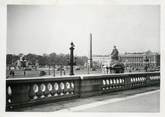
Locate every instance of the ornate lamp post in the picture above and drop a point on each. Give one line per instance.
(71, 61)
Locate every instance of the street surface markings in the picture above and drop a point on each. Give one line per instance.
(99, 103)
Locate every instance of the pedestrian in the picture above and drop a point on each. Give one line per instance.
(12, 73)
(64, 71)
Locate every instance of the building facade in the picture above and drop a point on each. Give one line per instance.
(133, 60)
(138, 60)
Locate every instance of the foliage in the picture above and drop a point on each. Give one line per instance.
(45, 59)
(11, 59)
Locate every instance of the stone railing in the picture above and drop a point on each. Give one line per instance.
(32, 91)
(101, 84)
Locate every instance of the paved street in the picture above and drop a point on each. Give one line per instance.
(146, 102)
(136, 100)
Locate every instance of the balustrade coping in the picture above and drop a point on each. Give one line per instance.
(76, 77)
(41, 79)
(118, 75)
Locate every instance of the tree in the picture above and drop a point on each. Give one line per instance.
(52, 59)
(9, 59)
(32, 58)
(43, 60)
(81, 60)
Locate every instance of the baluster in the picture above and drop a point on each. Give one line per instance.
(50, 88)
(56, 87)
(43, 89)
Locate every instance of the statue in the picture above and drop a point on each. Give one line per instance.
(114, 54)
(116, 66)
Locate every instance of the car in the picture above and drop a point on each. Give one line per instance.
(12, 68)
(58, 69)
(77, 68)
(157, 69)
(28, 69)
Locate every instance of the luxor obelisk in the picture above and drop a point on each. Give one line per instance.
(90, 53)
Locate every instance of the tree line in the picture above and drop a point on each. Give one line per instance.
(45, 59)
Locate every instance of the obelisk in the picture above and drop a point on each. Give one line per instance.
(90, 53)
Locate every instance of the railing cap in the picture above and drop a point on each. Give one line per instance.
(40, 79)
(77, 77)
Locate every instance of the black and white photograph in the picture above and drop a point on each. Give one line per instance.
(99, 58)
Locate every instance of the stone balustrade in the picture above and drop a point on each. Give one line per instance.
(32, 91)
(101, 84)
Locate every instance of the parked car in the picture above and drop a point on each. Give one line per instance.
(157, 69)
(58, 69)
(28, 69)
(77, 68)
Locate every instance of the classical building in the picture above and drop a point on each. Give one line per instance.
(134, 60)
(137, 60)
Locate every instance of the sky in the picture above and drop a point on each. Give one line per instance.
(46, 29)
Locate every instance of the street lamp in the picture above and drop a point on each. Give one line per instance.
(71, 61)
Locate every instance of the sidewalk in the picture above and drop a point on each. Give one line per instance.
(51, 107)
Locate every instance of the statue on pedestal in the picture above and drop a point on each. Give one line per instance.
(116, 66)
(115, 54)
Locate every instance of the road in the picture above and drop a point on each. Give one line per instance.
(145, 102)
(36, 73)
(137, 100)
